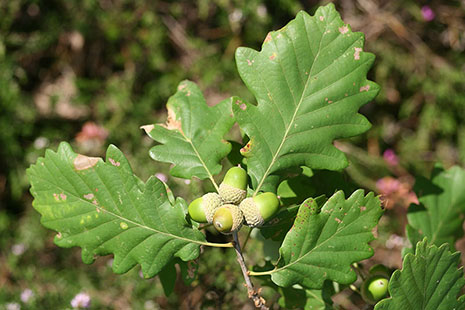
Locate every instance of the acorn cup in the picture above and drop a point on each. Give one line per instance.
(234, 185)
(203, 208)
(260, 208)
(227, 219)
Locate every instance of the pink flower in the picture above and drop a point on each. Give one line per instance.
(91, 131)
(26, 295)
(81, 300)
(427, 13)
(388, 185)
(390, 157)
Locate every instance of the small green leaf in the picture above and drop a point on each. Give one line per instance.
(192, 138)
(441, 212)
(322, 246)
(104, 209)
(309, 81)
(429, 280)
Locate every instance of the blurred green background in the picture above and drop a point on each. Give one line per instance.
(91, 72)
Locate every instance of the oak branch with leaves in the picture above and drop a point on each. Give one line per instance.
(309, 81)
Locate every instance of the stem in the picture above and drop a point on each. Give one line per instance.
(261, 273)
(247, 238)
(253, 294)
(218, 245)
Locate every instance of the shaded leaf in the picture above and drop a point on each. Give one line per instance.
(192, 138)
(441, 212)
(104, 209)
(429, 280)
(309, 81)
(277, 227)
(168, 277)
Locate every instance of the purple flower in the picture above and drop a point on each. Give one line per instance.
(390, 157)
(81, 300)
(26, 295)
(427, 13)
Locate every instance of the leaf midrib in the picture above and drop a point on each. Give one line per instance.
(275, 156)
(315, 248)
(118, 216)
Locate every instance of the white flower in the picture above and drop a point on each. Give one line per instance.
(18, 249)
(13, 306)
(81, 300)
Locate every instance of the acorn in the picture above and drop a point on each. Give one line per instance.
(202, 209)
(375, 288)
(234, 185)
(260, 208)
(228, 218)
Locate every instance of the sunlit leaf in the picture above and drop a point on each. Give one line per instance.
(192, 138)
(309, 80)
(104, 209)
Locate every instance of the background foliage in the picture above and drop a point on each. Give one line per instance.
(91, 72)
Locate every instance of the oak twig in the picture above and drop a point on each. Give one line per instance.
(253, 293)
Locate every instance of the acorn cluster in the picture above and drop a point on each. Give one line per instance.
(230, 208)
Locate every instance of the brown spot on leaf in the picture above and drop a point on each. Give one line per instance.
(114, 163)
(147, 128)
(249, 62)
(243, 107)
(245, 151)
(59, 236)
(365, 88)
(374, 231)
(171, 122)
(357, 53)
(322, 18)
(82, 162)
(363, 208)
(56, 197)
(338, 220)
(344, 29)
(63, 196)
(268, 37)
(89, 196)
(273, 56)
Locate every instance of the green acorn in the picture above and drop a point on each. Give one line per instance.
(202, 209)
(228, 218)
(258, 209)
(375, 288)
(233, 187)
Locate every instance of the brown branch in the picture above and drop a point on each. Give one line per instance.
(253, 293)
